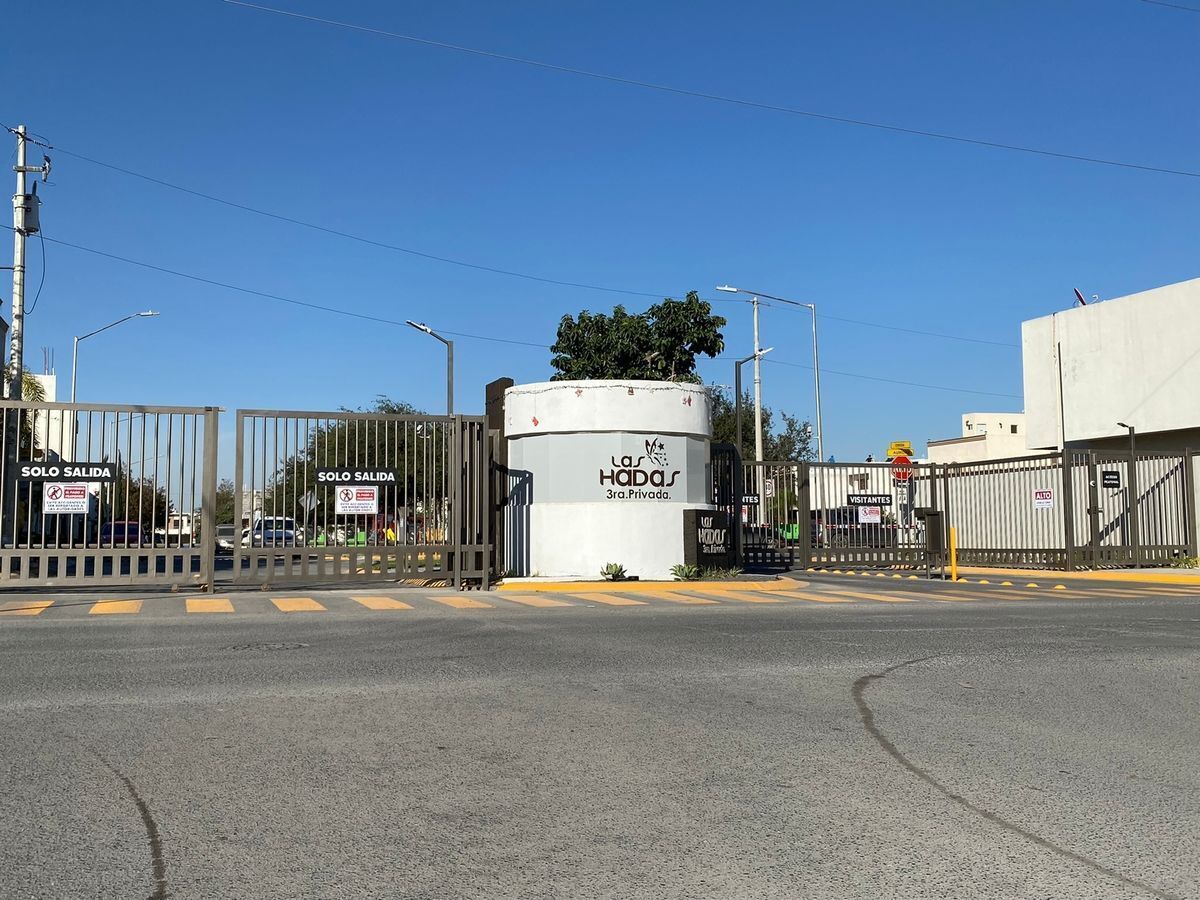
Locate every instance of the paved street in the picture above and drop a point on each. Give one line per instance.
(848, 737)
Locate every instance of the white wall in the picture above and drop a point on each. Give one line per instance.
(1134, 359)
(566, 516)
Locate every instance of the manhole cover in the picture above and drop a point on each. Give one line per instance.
(269, 645)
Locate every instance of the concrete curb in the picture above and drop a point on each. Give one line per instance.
(635, 587)
(1173, 576)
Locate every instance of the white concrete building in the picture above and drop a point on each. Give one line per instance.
(985, 435)
(1134, 359)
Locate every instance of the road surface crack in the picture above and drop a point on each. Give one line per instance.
(868, 720)
(156, 852)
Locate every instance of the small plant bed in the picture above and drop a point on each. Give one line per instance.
(685, 572)
(616, 572)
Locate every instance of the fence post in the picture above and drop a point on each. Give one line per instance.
(738, 488)
(1068, 507)
(483, 449)
(1094, 509)
(1134, 519)
(1189, 501)
(804, 502)
(208, 501)
(456, 467)
(946, 469)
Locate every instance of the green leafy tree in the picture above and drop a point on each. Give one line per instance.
(792, 442)
(225, 502)
(660, 344)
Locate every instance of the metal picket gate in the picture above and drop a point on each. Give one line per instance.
(346, 496)
(1076, 509)
(104, 494)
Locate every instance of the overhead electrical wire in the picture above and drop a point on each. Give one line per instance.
(1194, 9)
(719, 98)
(458, 262)
(932, 387)
(335, 310)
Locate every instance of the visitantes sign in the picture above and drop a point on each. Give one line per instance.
(707, 538)
(66, 471)
(1111, 478)
(64, 497)
(334, 475)
(357, 501)
(868, 499)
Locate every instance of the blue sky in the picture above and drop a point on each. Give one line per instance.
(581, 180)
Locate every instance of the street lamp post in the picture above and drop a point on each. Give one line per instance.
(1134, 529)
(737, 392)
(812, 308)
(83, 337)
(421, 326)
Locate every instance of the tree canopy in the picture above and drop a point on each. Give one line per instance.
(660, 344)
(794, 441)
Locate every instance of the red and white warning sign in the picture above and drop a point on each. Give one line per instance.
(64, 497)
(359, 500)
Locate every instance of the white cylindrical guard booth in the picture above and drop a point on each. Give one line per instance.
(601, 472)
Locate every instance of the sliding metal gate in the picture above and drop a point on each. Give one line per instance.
(1078, 509)
(344, 496)
(98, 494)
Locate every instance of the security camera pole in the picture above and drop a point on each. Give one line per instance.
(421, 326)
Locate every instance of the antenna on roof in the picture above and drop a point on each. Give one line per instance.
(1079, 298)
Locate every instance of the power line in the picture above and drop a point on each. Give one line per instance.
(719, 98)
(458, 262)
(1173, 5)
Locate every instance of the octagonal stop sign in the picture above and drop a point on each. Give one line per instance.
(901, 468)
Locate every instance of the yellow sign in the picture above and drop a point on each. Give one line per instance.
(899, 448)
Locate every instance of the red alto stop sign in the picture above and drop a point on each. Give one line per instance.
(901, 468)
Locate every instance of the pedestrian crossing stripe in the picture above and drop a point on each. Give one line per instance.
(115, 608)
(882, 598)
(297, 604)
(813, 597)
(747, 597)
(607, 599)
(539, 600)
(380, 603)
(680, 598)
(209, 605)
(462, 602)
(24, 607)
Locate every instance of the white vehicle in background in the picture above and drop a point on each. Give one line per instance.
(180, 531)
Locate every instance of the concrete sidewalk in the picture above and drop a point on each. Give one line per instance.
(1145, 576)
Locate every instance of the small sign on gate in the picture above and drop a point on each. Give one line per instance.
(769, 487)
(1111, 478)
(358, 500)
(868, 499)
(870, 515)
(1043, 498)
(64, 497)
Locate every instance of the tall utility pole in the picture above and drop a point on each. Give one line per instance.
(758, 423)
(12, 389)
(25, 223)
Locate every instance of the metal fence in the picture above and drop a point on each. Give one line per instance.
(342, 496)
(1063, 510)
(98, 494)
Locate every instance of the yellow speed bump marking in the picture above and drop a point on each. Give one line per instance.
(297, 604)
(535, 600)
(463, 602)
(751, 598)
(1060, 587)
(1031, 584)
(24, 607)
(813, 598)
(983, 581)
(680, 598)
(912, 577)
(115, 607)
(209, 605)
(380, 603)
(882, 598)
(609, 600)
(1006, 584)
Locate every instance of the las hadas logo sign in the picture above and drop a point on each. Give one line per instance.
(649, 477)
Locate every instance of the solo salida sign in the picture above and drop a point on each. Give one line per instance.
(67, 471)
(334, 475)
(646, 476)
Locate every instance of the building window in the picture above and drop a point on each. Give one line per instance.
(983, 429)
(1014, 429)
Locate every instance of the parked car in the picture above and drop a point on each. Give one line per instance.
(839, 527)
(124, 534)
(226, 535)
(276, 531)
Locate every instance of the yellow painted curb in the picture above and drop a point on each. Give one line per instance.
(637, 587)
(1151, 576)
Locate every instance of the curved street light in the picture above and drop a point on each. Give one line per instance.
(75, 350)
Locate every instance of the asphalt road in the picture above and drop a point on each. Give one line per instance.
(1039, 747)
